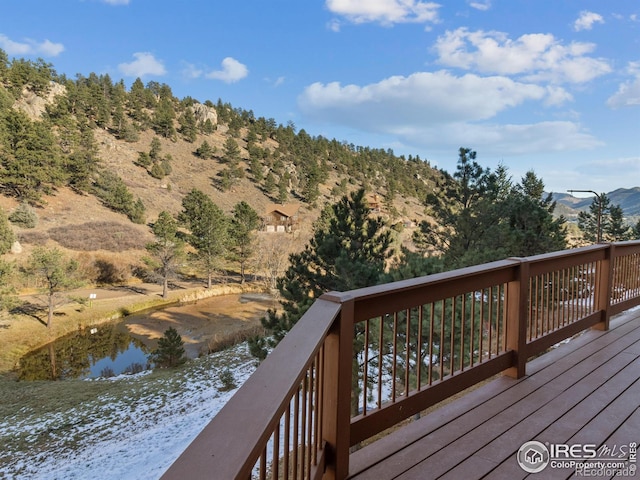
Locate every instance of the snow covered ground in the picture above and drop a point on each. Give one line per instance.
(125, 438)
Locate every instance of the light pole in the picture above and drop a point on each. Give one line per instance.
(599, 234)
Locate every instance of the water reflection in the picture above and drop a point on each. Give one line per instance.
(102, 351)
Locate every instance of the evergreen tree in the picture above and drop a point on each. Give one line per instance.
(7, 292)
(166, 252)
(208, 230)
(455, 207)
(163, 119)
(617, 229)
(7, 237)
(349, 249)
(31, 163)
(170, 352)
(595, 222)
(205, 151)
(188, 128)
(531, 227)
(244, 222)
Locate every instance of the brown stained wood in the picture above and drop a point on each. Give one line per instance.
(230, 455)
(587, 387)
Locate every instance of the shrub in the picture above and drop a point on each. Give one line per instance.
(24, 216)
(134, 368)
(227, 380)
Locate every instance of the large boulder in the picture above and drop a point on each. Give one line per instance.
(204, 113)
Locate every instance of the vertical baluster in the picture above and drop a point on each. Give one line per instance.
(472, 329)
(380, 350)
(419, 348)
(442, 320)
(365, 368)
(296, 433)
(462, 335)
(303, 425)
(407, 358)
(310, 420)
(287, 441)
(491, 310)
(452, 348)
(263, 464)
(275, 458)
(431, 325)
(394, 359)
(318, 411)
(481, 329)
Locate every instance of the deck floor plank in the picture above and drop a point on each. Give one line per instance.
(562, 399)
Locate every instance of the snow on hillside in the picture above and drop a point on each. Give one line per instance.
(121, 439)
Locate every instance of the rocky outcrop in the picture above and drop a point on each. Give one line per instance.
(34, 105)
(204, 113)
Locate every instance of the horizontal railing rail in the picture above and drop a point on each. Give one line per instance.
(362, 361)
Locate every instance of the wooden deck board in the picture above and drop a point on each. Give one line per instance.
(587, 390)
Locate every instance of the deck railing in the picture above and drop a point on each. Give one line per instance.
(362, 361)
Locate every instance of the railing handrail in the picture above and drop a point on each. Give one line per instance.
(256, 409)
(271, 386)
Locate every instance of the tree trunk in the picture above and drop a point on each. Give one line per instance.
(165, 287)
(50, 311)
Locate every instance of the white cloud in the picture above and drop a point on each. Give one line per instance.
(232, 71)
(423, 98)
(586, 20)
(628, 95)
(539, 56)
(117, 2)
(484, 6)
(144, 64)
(386, 12)
(191, 71)
(434, 110)
(30, 47)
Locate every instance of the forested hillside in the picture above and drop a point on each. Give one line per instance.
(95, 162)
(102, 170)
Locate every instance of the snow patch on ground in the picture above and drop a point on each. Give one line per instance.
(118, 439)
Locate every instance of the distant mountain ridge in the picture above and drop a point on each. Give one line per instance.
(628, 198)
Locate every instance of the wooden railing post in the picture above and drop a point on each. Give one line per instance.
(516, 321)
(604, 279)
(337, 391)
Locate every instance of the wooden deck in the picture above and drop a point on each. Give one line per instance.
(584, 391)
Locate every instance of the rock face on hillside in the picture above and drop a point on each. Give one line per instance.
(33, 105)
(204, 113)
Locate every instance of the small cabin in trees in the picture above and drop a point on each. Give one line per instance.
(281, 218)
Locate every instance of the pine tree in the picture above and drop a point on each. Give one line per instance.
(166, 252)
(170, 352)
(208, 230)
(188, 127)
(349, 249)
(595, 222)
(245, 220)
(7, 237)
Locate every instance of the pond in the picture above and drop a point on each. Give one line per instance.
(124, 346)
(101, 351)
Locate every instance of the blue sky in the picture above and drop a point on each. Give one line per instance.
(546, 85)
